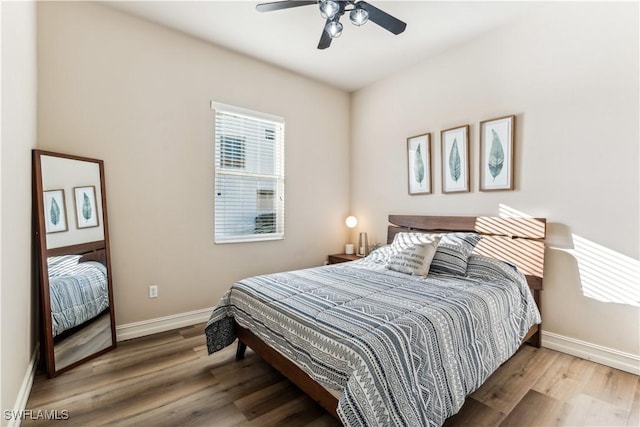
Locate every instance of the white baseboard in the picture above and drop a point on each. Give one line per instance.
(606, 356)
(25, 389)
(161, 324)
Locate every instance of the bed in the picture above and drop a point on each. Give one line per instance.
(78, 286)
(377, 346)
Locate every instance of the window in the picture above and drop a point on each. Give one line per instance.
(249, 175)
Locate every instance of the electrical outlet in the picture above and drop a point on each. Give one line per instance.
(153, 291)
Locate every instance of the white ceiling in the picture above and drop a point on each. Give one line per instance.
(288, 38)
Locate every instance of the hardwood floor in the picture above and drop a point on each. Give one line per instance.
(168, 380)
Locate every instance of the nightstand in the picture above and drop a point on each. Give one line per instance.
(338, 258)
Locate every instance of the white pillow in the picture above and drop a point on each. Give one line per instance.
(415, 259)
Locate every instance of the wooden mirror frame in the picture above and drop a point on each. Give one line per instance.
(98, 251)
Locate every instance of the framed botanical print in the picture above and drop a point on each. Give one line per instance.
(496, 153)
(419, 164)
(55, 211)
(85, 203)
(455, 159)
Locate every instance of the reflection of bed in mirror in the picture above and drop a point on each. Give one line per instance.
(79, 299)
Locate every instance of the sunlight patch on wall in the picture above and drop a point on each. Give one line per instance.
(509, 212)
(605, 275)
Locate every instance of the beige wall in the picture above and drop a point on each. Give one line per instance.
(18, 299)
(137, 95)
(570, 74)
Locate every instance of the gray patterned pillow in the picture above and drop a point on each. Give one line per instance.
(414, 259)
(453, 250)
(58, 265)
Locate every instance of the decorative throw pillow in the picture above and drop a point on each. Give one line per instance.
(452, 254)
(414, 259)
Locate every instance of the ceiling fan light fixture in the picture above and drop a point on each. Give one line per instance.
(360, 12)
(334, 28)
(359, 16)
(329, 8)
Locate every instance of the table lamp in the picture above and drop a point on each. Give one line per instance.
(351, 222)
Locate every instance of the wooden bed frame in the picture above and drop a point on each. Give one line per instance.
(519, 241)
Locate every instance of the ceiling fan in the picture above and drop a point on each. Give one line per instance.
(332, 10)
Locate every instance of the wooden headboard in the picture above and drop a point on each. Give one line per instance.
(91, 251)
(519, 241)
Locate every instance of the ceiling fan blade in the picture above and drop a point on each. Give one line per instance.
(325, 38)
(278, 5)
(383, 19)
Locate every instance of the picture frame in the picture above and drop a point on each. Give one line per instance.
(85, 206)
(455, 159)
(55, 211)
(419, 164)
(496, 153)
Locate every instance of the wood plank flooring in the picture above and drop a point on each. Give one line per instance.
(167, 379)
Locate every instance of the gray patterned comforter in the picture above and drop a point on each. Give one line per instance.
(78, 294)
(404, 350)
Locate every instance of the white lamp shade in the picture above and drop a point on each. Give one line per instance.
(351, 221)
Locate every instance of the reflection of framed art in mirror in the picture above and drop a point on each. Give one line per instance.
(55, 211)
(85, 204)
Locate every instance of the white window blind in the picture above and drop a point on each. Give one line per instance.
(249, 175)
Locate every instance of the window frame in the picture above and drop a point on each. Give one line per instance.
(238, 171)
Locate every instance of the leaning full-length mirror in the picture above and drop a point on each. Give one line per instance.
(72, 238)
